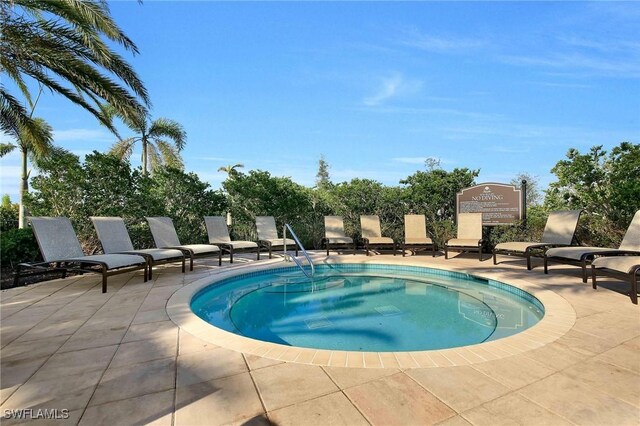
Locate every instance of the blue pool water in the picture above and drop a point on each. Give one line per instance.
(359, 307)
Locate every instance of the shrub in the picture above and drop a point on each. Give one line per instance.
(17, 246)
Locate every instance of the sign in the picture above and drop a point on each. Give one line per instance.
(500, 204)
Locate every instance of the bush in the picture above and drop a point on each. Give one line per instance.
(8, 214)
(18, 246)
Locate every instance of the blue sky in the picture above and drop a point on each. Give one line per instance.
(503, 87)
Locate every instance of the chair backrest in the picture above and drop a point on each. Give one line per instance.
(631, 240)
(561, 227)
(415, 226)
(333, 227)
(163, 231)
(217, 229)
(470, 226)
(266, 227)
(56, 238)
(112, 233)
(370, 226)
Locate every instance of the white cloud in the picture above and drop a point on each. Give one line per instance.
(392, 87)
(441, 44)
(85, 135)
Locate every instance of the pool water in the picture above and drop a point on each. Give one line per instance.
(367, 308)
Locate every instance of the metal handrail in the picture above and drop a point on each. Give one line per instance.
(304, 252)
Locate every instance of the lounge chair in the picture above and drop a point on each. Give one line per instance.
(582, 256)
(166, 237)
(59, 245)
(334, 234)
(469, 235)
(268, 235)
(558, 232)
(625, 268)
(218, 234)
(415, 234)
(115, 239)
(372, 235)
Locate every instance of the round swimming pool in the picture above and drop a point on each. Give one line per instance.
(364, 307)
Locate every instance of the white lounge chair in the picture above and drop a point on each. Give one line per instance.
(115, 239)
(334, 234)
(558, 232)
(469, 235)
(59, 245)
(625, 268)
(268, 235)
(218, 234)
(165, 236)
(372, 235)
(582, 256)
(415, 234)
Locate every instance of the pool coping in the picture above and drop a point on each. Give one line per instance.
(559, 318)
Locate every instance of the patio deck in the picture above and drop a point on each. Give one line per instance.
(117, 358)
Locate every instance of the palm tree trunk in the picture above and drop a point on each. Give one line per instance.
(144, 158)
(24, 187)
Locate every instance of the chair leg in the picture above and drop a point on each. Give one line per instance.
(528, 253)
(403, 250)
(480, 254)
(191, 261)
(16, 278)
(634, 286)
(219, 257)
(231, 255)
(184, 262)
(494, 258)
(594, 284)
(546, 269)
(258, 254)
(104, 280)
(327, 244)
(150, 266)
(584, 270)
(446, 252)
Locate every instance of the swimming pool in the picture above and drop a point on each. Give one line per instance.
(365, 307)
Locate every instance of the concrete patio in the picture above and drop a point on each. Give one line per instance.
(117, 358)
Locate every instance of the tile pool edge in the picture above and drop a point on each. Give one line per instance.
(559, 318)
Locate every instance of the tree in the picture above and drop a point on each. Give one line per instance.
(34, 148)
(534, 196)
(323, 179)
(63, 45)
(605, 187)
(231, 170)
(156, 150)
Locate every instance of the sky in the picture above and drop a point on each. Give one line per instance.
(377, 88)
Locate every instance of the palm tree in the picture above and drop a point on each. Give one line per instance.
(61, 44)
(231, 170)
(32, 148)
(156, 149)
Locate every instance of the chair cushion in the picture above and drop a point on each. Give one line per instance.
(520, 246)
(201, 248)
(242, 244)
(341, 240)
(463, 242)
(624, 264)
(418, 241)
(380, 240)
(160, 254)
(278, 242)
(113, 261)
(574, 253)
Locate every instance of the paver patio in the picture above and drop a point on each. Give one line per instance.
(117, 358)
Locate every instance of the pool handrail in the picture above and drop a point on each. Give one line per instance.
(304, 252)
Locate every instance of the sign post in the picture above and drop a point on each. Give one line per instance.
(500, 204)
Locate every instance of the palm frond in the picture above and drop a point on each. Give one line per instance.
(6, 148)
(123, 148)
(164, 127)
(155, 159)
(170, 155)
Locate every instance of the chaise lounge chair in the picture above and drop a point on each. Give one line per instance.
(268, 235)
(558, 232)
(469, 235)
(415, 234)
(372, 235)
(218, 234)
(582, 256)
(625, 268)
(115, 239)
(59, 245)
(334, 234)
(166, 237)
